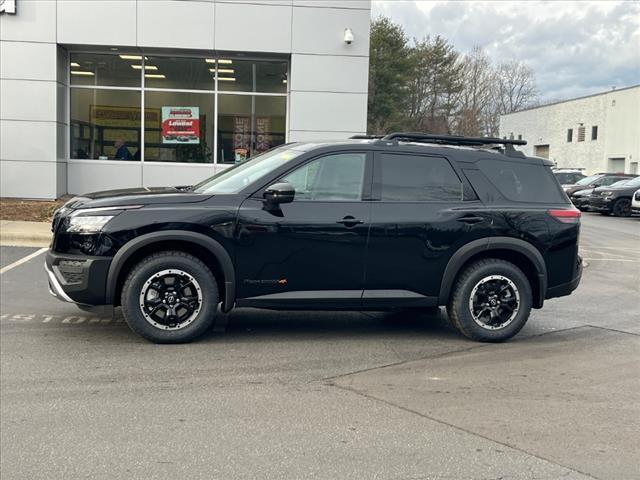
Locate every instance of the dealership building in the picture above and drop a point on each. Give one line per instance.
(104, 94)
(598, 133)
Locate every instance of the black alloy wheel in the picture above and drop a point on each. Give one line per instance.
(622, 207)
(170, 297)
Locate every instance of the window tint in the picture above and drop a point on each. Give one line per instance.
(522, 182)
(331, 178)
(413, 178)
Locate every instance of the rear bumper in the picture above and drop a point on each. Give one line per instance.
(566, 288)
(77, 279)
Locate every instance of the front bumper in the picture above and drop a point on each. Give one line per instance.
(601, 204)
(77, 279)
(566, 288)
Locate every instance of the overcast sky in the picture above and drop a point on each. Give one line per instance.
(575, 48)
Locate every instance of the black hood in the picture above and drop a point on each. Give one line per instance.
(135, 196)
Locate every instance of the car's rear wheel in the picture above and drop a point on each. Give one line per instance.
(622, 207)
(170, 297)
(491, 301)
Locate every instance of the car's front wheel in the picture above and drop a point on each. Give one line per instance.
(491, 301)
(622, 208)
(170, 297)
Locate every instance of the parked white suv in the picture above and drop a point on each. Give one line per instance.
(635, 202)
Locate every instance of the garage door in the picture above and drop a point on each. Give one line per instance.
(541, 151)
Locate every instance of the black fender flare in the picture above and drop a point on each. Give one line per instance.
(131, 247)
(464, 253)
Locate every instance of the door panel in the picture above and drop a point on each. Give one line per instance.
(418, 223)
(315, 243)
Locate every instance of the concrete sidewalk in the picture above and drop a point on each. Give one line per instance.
(25, 234)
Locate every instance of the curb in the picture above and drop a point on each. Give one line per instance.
(25, 234)
(18, 240)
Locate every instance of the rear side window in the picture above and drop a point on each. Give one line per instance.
(522, 182)
(414, 178)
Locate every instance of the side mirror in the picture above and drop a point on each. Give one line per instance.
(279, 193)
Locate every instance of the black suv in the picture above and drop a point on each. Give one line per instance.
(614, 199)
(404, 221)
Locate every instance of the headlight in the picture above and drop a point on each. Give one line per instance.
(88, 224)
(607, 194)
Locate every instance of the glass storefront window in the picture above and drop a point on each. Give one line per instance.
(105, 124)
(179, 72)
(97, 69)
(252, 76)
(183, 127)
(249, 124)
(108, 91)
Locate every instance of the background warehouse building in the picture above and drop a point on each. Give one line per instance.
(218, 81)
(600, 133)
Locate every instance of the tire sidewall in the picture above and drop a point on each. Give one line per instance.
(133, 287)
(521, 282)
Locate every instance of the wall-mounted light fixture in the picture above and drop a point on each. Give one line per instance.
(348, 36)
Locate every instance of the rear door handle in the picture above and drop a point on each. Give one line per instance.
(349, 221)
(471, 219)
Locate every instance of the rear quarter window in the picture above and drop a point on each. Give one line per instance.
(522, 182)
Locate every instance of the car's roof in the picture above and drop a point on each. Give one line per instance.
(461, 153)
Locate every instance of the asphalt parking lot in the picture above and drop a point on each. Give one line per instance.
(328, 395)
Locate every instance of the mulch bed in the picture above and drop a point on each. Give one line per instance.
(29, 210)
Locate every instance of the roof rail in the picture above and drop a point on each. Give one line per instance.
(450, 139)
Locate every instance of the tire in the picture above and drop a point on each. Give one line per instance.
(622, 208)
(605, 213)
(477, 280)
(170, 297)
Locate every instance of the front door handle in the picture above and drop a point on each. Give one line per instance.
(471, 219)
(349, 221)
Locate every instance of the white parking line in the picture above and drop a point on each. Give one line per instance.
(22, 260)
(612, 259)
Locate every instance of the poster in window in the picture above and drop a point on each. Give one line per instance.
(263, 134)
(181, 125)
(241, 138)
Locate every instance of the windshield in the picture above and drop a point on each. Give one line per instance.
(619, 183)
(588, 180)
(632, 183)
(234, 179)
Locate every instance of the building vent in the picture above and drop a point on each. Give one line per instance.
(581, 134)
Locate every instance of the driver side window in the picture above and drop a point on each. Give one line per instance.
(338, 177)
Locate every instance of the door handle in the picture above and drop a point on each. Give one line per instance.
(471, 219)
(349, 221)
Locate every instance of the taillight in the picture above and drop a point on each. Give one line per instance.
(566, 215)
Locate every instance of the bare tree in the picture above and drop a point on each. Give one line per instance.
(516, 86)
(476, 96)
(514, 89)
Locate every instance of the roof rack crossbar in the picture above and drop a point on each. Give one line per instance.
(450, 139)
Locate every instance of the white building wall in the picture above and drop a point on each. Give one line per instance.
(328, 81)
(615, 113)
